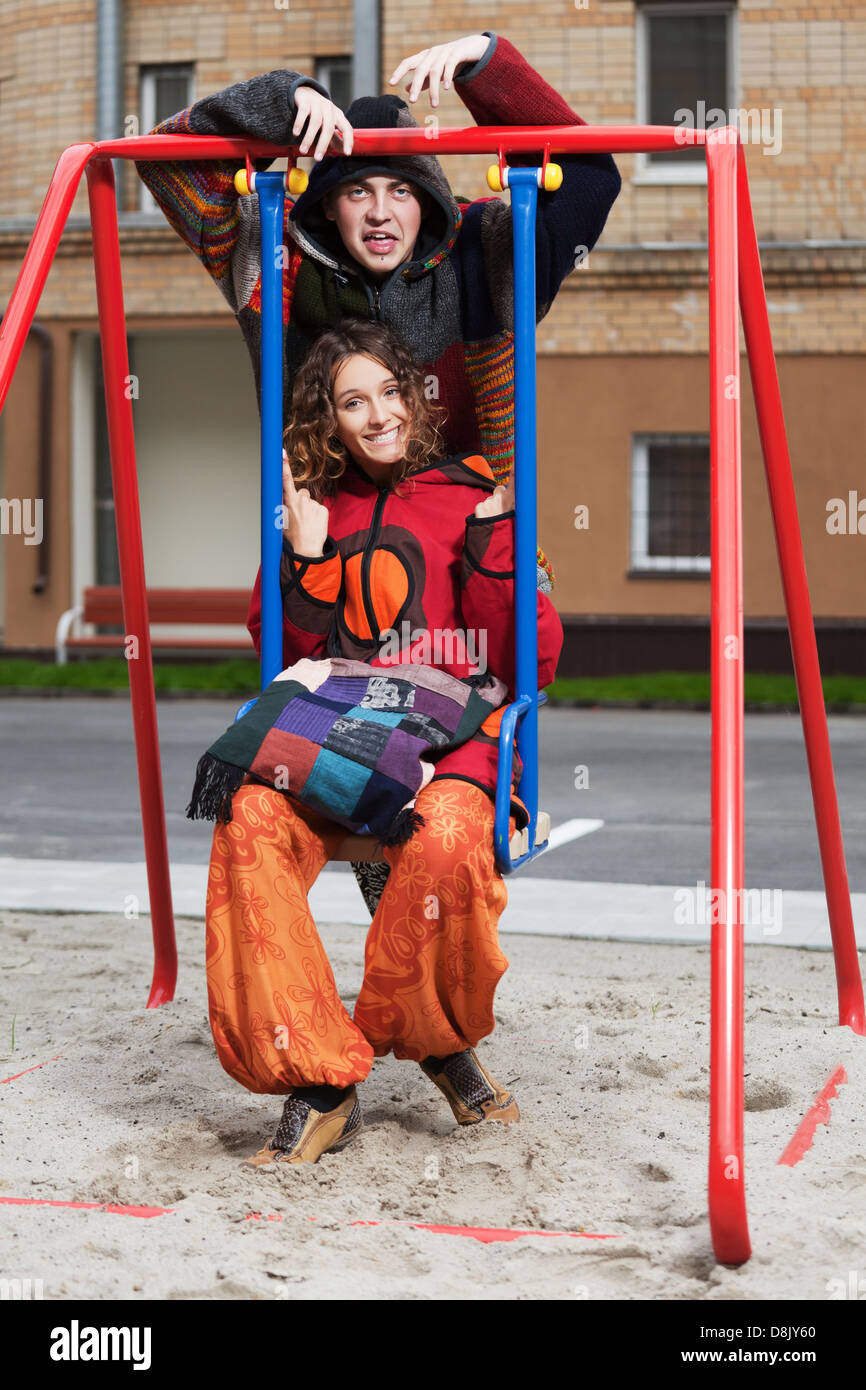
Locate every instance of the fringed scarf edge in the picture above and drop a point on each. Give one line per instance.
(215, 784)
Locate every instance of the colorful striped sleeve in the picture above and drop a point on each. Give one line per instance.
(198, 196)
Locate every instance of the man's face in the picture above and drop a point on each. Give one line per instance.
(378, 219)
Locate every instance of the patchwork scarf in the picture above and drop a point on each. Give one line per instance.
(353, 742)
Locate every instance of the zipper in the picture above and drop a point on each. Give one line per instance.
(369, 547)
(373, 294)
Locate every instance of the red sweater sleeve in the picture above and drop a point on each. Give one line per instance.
(488, 600)
(310, 588)
(502, 88)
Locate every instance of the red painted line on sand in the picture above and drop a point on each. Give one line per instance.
(108, 1207)
(817, 1114)
(487, 1234)
(7, 1079)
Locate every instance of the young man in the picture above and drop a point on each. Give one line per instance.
(384, 237)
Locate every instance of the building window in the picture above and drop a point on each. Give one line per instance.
(686, 61)
(164, 89)
(336, 75)
(670, 504)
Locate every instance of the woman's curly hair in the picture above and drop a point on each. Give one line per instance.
(317, 457)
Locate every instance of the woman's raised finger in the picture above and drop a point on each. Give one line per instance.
(288, 480)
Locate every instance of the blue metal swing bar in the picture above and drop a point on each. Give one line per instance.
(523, 183)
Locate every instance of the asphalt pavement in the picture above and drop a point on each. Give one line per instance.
(68, 789)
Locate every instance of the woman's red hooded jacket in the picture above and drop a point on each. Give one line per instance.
(419, 578)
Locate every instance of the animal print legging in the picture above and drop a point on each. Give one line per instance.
(432, 959)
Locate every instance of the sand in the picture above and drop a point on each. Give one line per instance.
(605, 1046)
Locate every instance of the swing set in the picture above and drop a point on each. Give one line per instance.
(734, 276)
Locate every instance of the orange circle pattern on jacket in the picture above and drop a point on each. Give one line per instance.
(389, 590)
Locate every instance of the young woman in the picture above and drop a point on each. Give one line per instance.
(391, 553)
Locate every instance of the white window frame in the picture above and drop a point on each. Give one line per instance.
(640, 561)
(147, 108)
(683, 171)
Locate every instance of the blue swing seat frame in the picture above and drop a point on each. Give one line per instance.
(523, 710)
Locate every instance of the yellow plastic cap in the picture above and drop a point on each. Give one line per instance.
(298, 181)
(493, 179)
(552, 177)
(241, 185)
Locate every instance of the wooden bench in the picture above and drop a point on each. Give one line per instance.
(102, 604)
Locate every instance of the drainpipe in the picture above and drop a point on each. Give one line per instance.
(109, 80)
(366, 78)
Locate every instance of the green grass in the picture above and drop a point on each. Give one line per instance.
(239, 676)
(687, 687)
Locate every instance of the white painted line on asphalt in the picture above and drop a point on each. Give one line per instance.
(571, 830)
(536, 906)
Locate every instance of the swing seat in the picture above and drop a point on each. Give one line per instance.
(366, 849)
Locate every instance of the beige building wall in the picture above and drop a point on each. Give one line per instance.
(626, 341)
(587, 461)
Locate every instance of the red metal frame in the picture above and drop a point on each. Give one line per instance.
(726, 1177)
(734, 265)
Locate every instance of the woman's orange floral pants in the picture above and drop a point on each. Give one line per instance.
(432, 959)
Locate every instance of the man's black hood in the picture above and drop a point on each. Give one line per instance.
(318, 236)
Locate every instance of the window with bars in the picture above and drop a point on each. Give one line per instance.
(685, 62)
(164, 89)
(670, 504)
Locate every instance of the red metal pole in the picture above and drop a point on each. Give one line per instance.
(118, 405)
(563, 139)
(37, 262)
(789, 544)
(727, 1193)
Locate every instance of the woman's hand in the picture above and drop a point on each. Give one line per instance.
(433, 66)
(501, 500)
(306, 521)
(322, 118)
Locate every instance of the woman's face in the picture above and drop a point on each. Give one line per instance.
(372, 417)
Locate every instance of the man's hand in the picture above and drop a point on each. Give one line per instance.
(501, 500)
(306, 521)
(321, 118)
(433, 66)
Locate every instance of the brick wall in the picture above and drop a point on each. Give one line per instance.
(807, 61)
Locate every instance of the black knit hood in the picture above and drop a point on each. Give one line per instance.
(319, 237)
